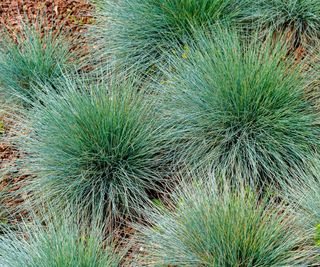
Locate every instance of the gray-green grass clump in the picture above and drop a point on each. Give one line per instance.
(57, 241)
(96, 144)
(134, 34)
(304, 199)
(33, 56)
(300, 19)
(204, 226)
(239, 109)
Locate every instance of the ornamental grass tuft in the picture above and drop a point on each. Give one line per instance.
(134, 34)
(299, 19)
(96, 144)
(304, 199)
(204, 226)
(57, 241)
(33, 56)
(239, 109)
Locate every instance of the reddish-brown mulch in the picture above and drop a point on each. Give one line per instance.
(74, 15)
(10, 180)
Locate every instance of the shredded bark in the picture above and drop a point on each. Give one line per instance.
(73, 15)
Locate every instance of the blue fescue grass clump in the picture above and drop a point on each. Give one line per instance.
(57, 241)
(33, 56)
(96, 144)
(205, 226)
(300, 19)
(134, 34)
(240, 109)
(304, 198)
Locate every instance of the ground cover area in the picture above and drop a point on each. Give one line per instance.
(159, 133)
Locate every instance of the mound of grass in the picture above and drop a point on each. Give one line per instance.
(300, 19)
(32, 56)
(204, 226)
(240, 109)
(134, 34)
(304, 198)
(57, 241)
(99, 144)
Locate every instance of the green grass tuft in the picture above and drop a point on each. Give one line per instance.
(57, 241)
(240, 109)
(34, 55)
(134, 34)
(300, 19)
(304, 199)
(99, 144)
(204, 226)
